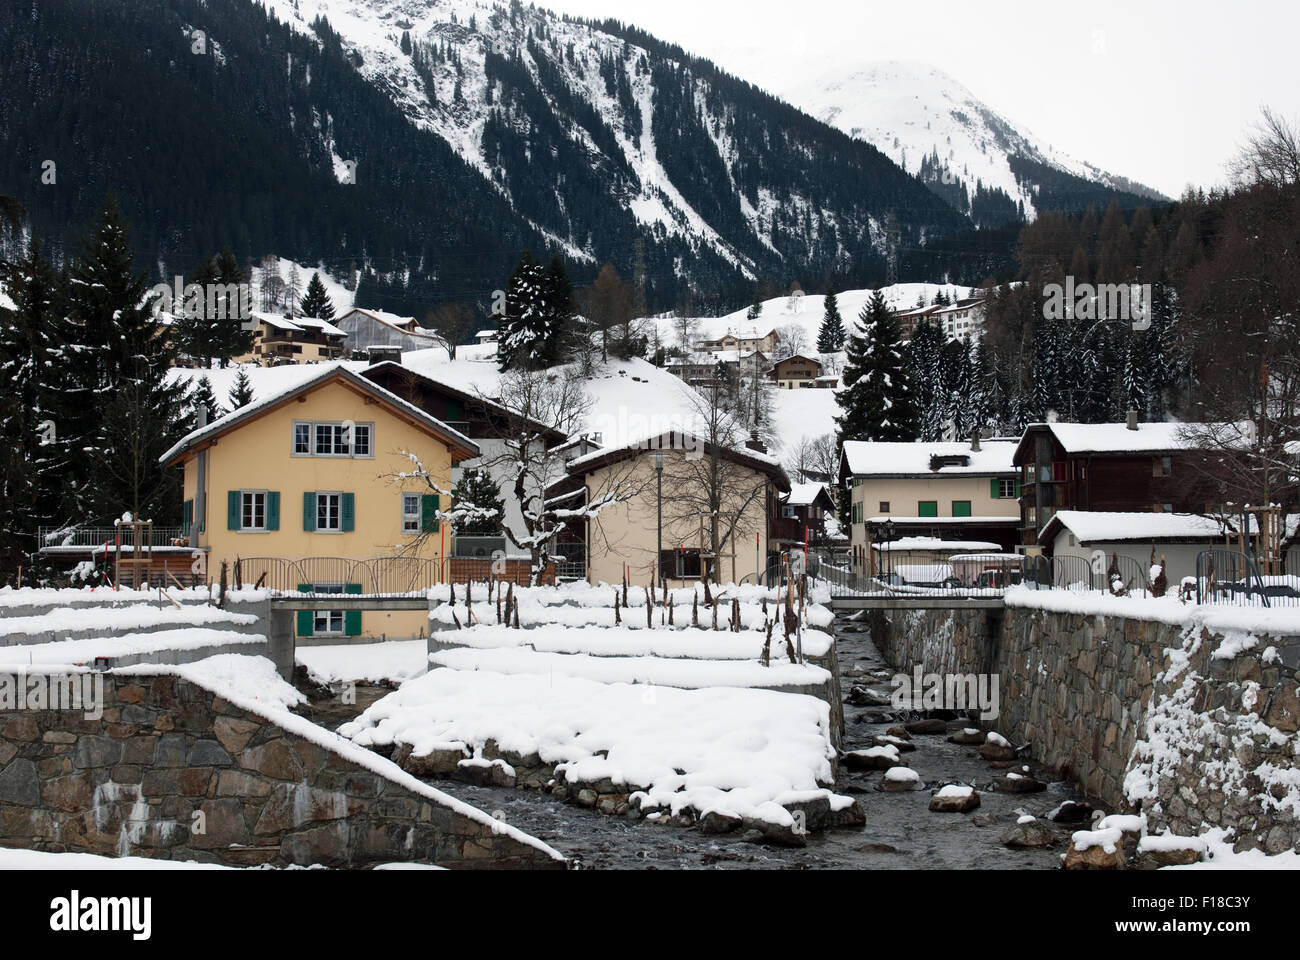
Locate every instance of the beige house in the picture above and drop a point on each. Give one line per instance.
(948, 491)
(278, 339)
(744, 340)
(315, 472)
(796, 372)
(624, 535)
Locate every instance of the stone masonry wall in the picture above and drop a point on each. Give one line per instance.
(1195, 728)
(132, 782)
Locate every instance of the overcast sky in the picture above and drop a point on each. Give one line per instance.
(1161, 91)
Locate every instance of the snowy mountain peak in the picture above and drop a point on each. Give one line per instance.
(934, 127)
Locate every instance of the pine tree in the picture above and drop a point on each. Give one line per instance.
(241, 391)
(131, 411)
(755, 309)
(923, 355)
(477, 490)
(201, 397)
(955, 373)
(558, 294)
(830, 337)
(316, 301)
(525, 336)
(34, 416)
(877, 401)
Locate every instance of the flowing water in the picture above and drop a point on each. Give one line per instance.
(900, 832)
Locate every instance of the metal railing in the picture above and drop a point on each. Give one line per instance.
(86, 537)
(479, 546)
(1229, 577)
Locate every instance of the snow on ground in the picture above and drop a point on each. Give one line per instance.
(742, 751)
(1220, 856)
(116, 619)
(392, 660)
(608, 641)
(673, 672)
(122, 645)
(11, 859)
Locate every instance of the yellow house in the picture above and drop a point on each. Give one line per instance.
(318, 472)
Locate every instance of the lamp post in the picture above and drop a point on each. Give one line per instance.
(658, 458)
(888, 528)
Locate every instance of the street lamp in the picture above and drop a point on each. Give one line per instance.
(658, 458)
(888, 528)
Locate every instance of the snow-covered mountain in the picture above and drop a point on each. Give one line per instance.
(916, 114)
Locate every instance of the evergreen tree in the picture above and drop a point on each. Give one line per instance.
(35, 419)
(479, 505)
(955, 373)
(755, 309)
(877, 402)
(560, 310)
(241, 391)
(131, 411)
(316, 302)
(830, 337)
(923, 355)
(529, 329)
(201, 397)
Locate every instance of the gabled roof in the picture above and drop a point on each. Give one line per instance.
(1101, 526)
(674, 439)
(297, 323)
(463, 448)
(1112, 439)
(806, 494)
(798, 356)
(867, 458)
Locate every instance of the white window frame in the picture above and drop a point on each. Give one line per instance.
(1006, 489)
(321, 496)
(314, 448)
(243, 494)
(416, 518)
(330, 617)
(293, 443)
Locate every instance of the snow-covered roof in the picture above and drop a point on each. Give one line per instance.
(935, 545)
(485, 333)
(258, 407)
(1102, 526)
(804, 494)
(392, 319)
(867, 458)
(297, 323)
(1117, 437)
(797, 356)
(681, 440)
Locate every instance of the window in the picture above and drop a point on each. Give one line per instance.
(333, 439)
(252, 515)
(787, 512)
(1162, 466)
(961, 508)
(927, 508)
(410, 513)
(329, 511)
(884, 506)
(680, 564)
(327, 621)
(1006, 489)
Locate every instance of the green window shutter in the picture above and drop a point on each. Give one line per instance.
(309, 512)
(232, 510)
(993, 488)
(305, 617)
(961, 508)
(187, 516)
(349, 512)
(429, 512)
(453, 409)
(1017, 489)
(352, 618)
(273, 510)
(927, 508)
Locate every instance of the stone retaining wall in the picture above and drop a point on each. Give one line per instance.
(1137, 714)
(175, 771)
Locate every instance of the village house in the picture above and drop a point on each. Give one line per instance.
(807, 506)
(319, 475)
(1105, 467)
(623, 536)
(796, 372)
(366, 328)
(947, 491)
(278, 339)
(743, 340)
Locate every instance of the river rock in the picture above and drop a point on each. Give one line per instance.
(1028, 832)
(1017, 783)
(1095, 858)
(933, 725)
(1168, 850)
(997, 747)
(716, 822)
(967, 736)
(903, 746)
(873, 758)
(899, 780)
(588, 797)
(898, 730)
(982, 820)
(954, 799)
(850, 816)
(866, 697)
(1070, 811)
(877, 848)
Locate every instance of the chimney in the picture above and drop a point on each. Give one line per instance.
(201, 418)
(755, 444)
(975, 440)
(1132, 419)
